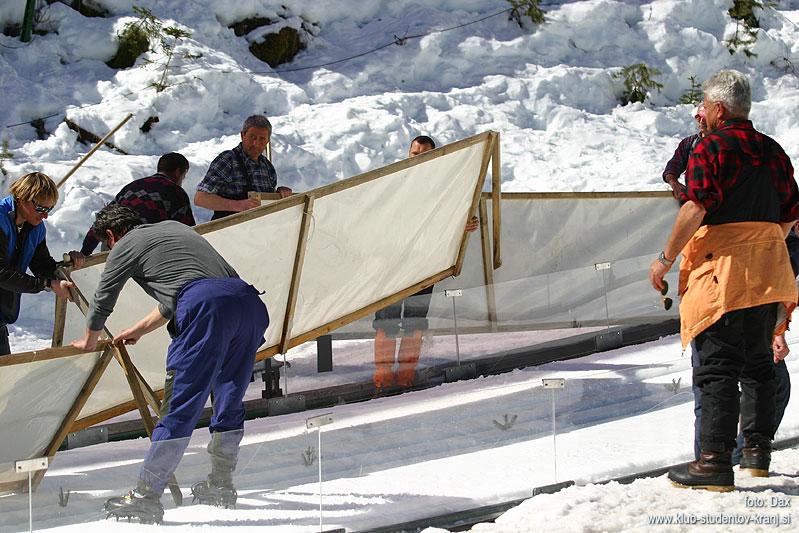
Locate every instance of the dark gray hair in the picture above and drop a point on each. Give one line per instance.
(118, 218)
(732, 89)
(256, 121)
(172, 161)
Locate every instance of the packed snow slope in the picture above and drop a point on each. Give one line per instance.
(448, 69)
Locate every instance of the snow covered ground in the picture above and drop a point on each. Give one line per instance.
(448, 449)
(549, 90)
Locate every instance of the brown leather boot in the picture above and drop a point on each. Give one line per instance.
(756, 458)
(384, 360)
(713, 471)
(409, 351)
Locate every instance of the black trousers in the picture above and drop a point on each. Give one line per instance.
(737, 348)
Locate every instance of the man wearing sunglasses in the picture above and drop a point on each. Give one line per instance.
(23, 246)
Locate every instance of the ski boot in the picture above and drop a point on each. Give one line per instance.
(219, 496)
(145, 508)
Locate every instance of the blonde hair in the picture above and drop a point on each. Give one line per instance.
(37, 187)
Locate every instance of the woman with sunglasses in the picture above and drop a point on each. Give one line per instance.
(23, 247)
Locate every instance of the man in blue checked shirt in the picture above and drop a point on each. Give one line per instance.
(234, 173)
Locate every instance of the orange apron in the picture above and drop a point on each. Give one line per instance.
(734, 266)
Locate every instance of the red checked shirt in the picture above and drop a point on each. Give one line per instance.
(723, 172)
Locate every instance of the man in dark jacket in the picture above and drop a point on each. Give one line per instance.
(23, 246)
(679, 161)
(155, 198)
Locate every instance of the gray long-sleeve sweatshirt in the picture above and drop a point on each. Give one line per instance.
(162, 258)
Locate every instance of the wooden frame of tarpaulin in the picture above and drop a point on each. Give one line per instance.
(144, 397)
(287, 341)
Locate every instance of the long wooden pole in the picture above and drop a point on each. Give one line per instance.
(496, 201)
(488, 272)
(46, 354)
(487, 152)
(299, 259)
(94, 149)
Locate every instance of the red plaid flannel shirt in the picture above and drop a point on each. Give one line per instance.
(716, 164)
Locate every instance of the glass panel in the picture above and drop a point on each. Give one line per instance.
(409, 457)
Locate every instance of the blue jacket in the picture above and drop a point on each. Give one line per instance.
(18, 252)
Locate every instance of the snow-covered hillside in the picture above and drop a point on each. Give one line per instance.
(548, 89)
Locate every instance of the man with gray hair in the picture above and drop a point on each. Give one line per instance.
(736, 282)
(236, 172)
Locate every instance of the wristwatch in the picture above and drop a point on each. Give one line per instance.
(665, 260)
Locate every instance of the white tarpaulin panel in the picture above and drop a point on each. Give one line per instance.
(399, 234)
(572, 260)
(34, 400)
(147, 354)
(263, 257)
(568, 260)
(587, 259)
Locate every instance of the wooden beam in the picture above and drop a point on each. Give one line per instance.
(337, 186)
(475, 199)
(250, 214)
(369, 309)
(138, 396)
(296, 275)
(59, 323)
(496, 203)
(94, 149)
(264, 196)
(108, 414)
(270, 351)
(399, 165)
(580, 195)
(47, 354)
(488, 272)
(149, 394)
